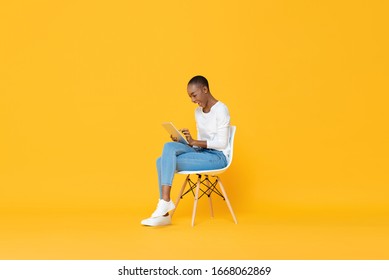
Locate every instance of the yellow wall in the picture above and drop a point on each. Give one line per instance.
(85, 85)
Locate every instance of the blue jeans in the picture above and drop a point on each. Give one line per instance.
(177, 157)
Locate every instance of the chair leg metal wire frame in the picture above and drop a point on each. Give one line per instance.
(210, 187)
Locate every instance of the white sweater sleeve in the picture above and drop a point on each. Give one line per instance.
(220, 141)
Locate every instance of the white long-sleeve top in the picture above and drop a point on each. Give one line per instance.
(214, 127)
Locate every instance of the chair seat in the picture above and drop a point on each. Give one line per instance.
(203, 172)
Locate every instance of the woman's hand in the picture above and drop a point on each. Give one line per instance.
(175, 139)
(193, 142)
(188, 136)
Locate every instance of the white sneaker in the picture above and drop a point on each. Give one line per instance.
(157, 221)
(163, 207)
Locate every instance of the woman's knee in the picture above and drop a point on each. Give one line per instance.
(171, 146)
(158, 161)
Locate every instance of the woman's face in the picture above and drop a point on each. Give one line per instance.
(198, 94)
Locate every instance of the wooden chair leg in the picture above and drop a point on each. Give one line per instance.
(227, 200)
(209, 192)
(179, 195)
(196, 200)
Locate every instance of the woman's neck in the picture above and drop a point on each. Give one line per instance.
(212, 101)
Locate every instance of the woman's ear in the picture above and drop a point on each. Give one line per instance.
(205, 89)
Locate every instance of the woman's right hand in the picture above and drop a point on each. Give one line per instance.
(175, 139)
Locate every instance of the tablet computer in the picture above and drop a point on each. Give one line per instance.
(172, 130)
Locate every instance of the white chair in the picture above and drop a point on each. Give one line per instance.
(210, 187)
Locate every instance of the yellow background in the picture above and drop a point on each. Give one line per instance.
(85, 85)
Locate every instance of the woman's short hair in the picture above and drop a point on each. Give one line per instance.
(199, 80)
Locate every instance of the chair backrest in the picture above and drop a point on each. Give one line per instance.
(232, 138)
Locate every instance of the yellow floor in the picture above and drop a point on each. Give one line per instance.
(115, 233)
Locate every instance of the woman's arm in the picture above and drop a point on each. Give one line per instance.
(220, 140)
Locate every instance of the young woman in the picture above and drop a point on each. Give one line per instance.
(210, 150)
